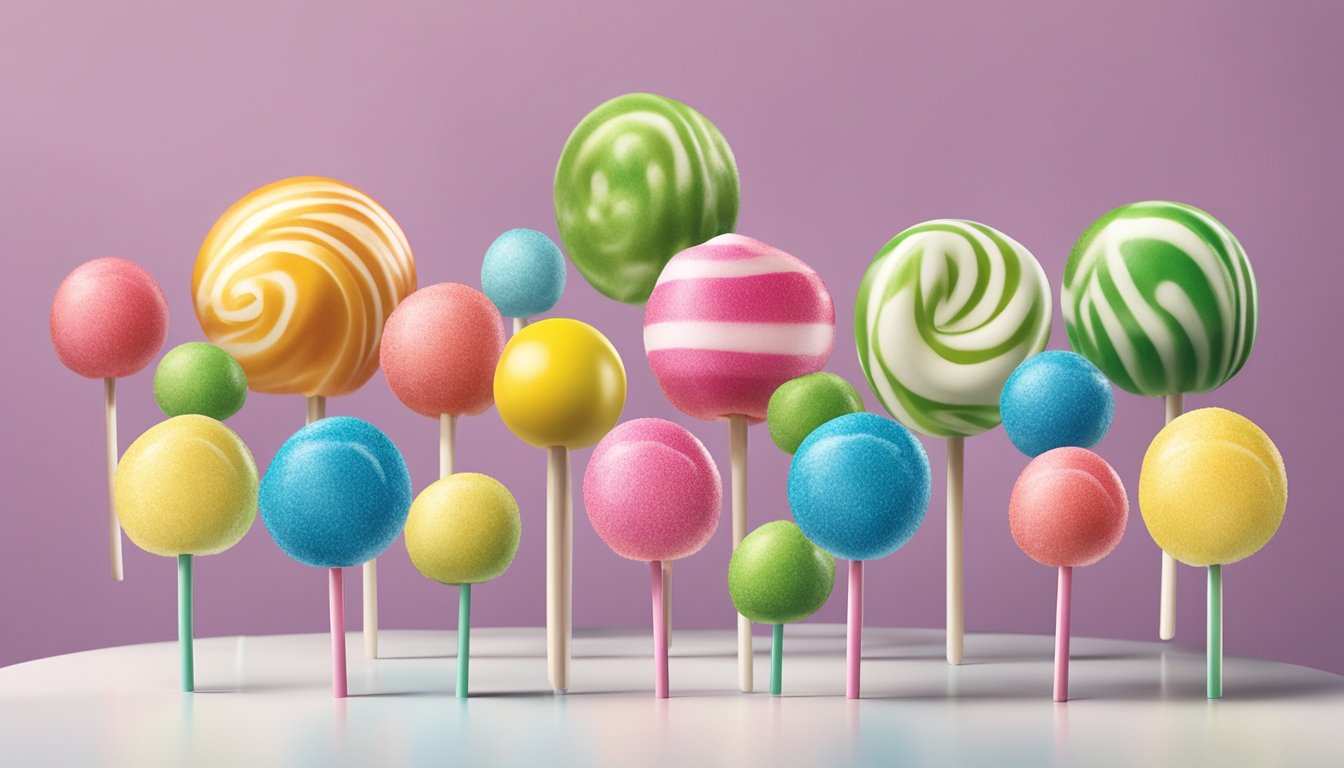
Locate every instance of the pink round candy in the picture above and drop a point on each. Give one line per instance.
(652, 491)
(732, 319)
(440, 348)
(109, 319)
(1068, 508)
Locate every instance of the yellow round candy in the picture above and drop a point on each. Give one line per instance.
(560, 383)
(187, 486)
(1212, 489)
(463, 529)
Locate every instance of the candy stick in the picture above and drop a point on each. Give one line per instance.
(519, 323)
(777, 660)
(463, 638)
(113, 525)
(447, 443)
(184, 623)
(659, 632)
(854, 630)
(1062, 602)
(1166, 628)
(317, 408)
(956, 569)
(336, 596)
(1214, 652)
(559, 566)
(737, 450)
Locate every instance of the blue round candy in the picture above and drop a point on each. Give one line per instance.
(336, 494)
(1056, 399)
(859, 486)
(523, 273)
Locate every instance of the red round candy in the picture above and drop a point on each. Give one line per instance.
(109, 319)
(1068, 508)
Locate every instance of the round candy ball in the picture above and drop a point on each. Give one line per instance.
(198, 377)
(1213, 488)
(523, 273)
(801, 405)
(859, 486)
(641, 178)
(1056, 399)
(1161, 296)
(108, 319)
(440, 348)
(336, 493)
(730, 321)
(559, 383)
(1068, 508)
(944, 314)
(778, 576)
(187, 486)
(463, 529)
(652, 491)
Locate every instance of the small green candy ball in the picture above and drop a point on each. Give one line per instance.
(778, 576)
(801, 405)
(199, 378)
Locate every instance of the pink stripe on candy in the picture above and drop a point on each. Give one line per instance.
(659, 633)
(336, 595)
(708, 384)
(854, 631)
(778, 297)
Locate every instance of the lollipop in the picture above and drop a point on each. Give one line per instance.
(1161, 297)
(1212, 491)
(108, 319)
(641, 178)
(777, 576)
(560, 385)
(1068, 509)
(199, 378)
(944, 314)
(801, 405)
(523, 274)
(187, 486)
(336, 495)
(859, 488)
(463, 530)
(653, 494)
(729, 322)
(1056, 399)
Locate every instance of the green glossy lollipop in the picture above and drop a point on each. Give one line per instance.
(199, 378)
(801, 405)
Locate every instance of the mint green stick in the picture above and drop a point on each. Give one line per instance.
(1214, 652)
(463, 638)
(184, 633)
(777, 661)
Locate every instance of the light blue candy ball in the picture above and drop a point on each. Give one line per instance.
(1056, 399)
(336, 494)
(859, 486)
(523, 273)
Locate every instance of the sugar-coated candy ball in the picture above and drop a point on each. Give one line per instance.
(336, 493)
(440, 348)
(108, 319)
(463, 529)
(523, 273)
(1213, 488)
(187, 486)
(1056, 399)
(778, 576)
(801, 405)
(652, 491)
(859, 486)
(559, 383)
(1068, 508)
(199, 377)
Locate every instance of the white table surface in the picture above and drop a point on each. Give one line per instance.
(267, 701)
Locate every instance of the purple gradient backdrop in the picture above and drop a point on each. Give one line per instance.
(129, 127)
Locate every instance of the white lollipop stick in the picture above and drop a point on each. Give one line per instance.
(113, 525)
(956, 600)
(737, 450)
(1166, 626)
(559, 566)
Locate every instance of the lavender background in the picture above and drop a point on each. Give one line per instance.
(128, 127)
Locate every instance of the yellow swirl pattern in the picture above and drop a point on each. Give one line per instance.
(295, 281)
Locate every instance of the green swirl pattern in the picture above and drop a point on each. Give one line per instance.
(944, 314)
(1161, 297)
(641, 178)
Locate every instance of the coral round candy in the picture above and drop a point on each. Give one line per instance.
(440, 349)
(187, 486)
(1213, 488)
(641, 178)
(1068, 508)
(336, 493)
(108, 319)
(801, 405)
(731, 320)
(778, 576)
(559, 383)
(1056, 399)
(199, 378)
(296, 280)
(523, 273)
(463, 529)
(1161, 297)
(859, 486)
(652, 491)
(944, 314)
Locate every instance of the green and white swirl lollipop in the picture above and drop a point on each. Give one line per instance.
(640, 179)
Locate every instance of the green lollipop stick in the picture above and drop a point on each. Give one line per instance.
(185, 639)
(777, 660)
(463, 639)
(1214, 652)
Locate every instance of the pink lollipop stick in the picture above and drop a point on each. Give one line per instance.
(659, 632)
(1062, 633)
(336, 589)
(854, 645)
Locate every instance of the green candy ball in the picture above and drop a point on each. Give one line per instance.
(640, 179)
(801, 405)
(199, 378)
(778, 576)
